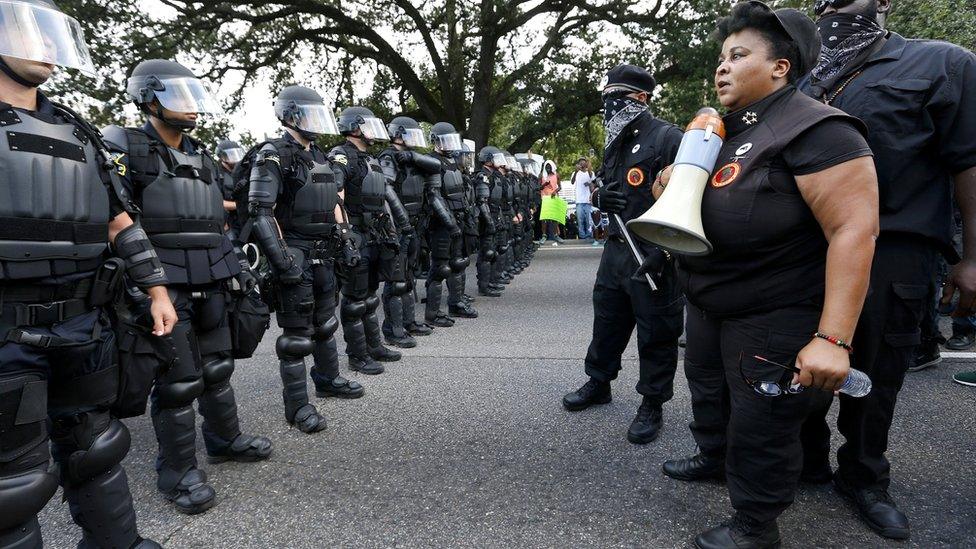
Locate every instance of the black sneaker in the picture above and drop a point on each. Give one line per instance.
(740, 532)
(961, 340)
(926, 355)
(339, 387)
(647, 423)
(876, 509)
(592, 393)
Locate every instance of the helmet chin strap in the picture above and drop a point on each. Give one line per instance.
(10, 72)
(182, 125)
(305, 134)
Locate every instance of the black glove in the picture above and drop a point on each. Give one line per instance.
(291, 276)
(404, 157)
(245, 281)
(608, 199)
(654, 263)
(350, 255)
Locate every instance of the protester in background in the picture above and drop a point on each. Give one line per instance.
(582, 180)
(550, 187)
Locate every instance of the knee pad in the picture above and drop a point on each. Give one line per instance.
(459, 264)
(372, 303)
(293, 346)
(401, 288)
(491, 255)
(24, 495)
(440, 271)
(353, 310)
(327, 329)
(178, 394)
(218, 371)
(107, 449)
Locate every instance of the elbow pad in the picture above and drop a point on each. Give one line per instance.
(141, 262)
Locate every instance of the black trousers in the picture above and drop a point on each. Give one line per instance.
(761, 443)
(621, 303)
(309, 305)
(884, 341)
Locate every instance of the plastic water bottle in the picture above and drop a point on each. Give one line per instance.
(857, 384)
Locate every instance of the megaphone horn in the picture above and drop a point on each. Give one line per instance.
(674, 221)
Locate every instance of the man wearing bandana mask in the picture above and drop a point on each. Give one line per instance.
(916, 98)
(638, 146)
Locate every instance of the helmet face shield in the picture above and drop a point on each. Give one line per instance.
(373, 129)
(498, 159)
(467, 156)
(513, 164)
(414, 138)
(46, 35)
(231, 156)
(448, 142)
(183, 94)
(314, 118)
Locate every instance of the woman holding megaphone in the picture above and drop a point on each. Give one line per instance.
(790, 214)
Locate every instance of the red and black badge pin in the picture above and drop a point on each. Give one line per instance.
(635, 176)
(726, 174)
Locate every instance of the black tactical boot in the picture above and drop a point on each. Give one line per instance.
(365, 365)
(462, 310)
(740, 532)
(647, 423)
(339, 387)
(418, 329)
(695, 468)
(192, 495)
(592, 393)
(488, 291)
(244, 448)
(406, 341)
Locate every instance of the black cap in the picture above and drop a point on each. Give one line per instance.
(631, 77)
(802, 30)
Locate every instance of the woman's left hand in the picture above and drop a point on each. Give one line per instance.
(822, 365)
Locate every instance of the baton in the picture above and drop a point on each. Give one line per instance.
(634, 252)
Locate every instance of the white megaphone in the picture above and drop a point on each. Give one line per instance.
(674, 221)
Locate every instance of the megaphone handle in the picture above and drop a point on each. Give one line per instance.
(638, 256)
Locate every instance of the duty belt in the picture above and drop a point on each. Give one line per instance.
(178, 225)
(18, 312)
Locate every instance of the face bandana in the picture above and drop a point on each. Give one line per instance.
(847, 40)
(618, 113)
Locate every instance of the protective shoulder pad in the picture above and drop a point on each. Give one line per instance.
(116, 138)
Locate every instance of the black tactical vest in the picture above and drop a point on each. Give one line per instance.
(54, 206)
(495, 191)
(312, 201)
(452, 185)
(769, 250)
(366, 192)
(182, 210)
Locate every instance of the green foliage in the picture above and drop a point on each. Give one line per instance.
(950, 20)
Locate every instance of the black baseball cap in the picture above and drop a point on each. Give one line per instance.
(802, 30)
(631, 77)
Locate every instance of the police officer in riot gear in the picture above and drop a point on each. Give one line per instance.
(465, 161)
(58, 375)
(483, 184)
(377, 218)
(493, 162)
(638, 145)
(507, 229)
(229, 153)
(174, 180)
(448, 260)
(294, 192)
(408, 172)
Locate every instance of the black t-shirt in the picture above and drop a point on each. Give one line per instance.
(768, 248)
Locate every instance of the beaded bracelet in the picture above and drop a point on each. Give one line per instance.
(836, 341)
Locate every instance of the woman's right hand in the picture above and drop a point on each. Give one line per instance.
(657, 189)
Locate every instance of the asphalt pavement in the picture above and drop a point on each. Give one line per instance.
(464, 443)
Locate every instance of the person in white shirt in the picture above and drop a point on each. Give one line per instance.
(583, 182)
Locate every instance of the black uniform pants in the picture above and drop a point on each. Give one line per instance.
(763, 450)
(202, 372)
(62, 394)
(621, 302)
(884, 341)
(308, 309)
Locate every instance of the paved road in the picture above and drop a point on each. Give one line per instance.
(464, 444)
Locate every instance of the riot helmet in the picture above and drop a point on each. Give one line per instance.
(408, 130)
(360, 118)
(467, 155)
(445, 138)
(37, 30)
(230, 152)
(304, 111)
(173, 87)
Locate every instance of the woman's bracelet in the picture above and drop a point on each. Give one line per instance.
(835, 340)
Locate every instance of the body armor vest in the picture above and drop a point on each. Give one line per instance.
(313, 204)
(453, 188)
(411, 193)
(366, 194)
(54, 207)
(183, 213)
(494, 192)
